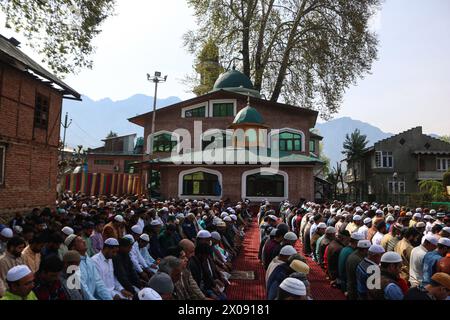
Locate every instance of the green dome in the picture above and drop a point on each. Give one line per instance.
(248, 115)
(233, 79)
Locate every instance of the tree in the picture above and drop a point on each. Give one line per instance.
(303, 51)
(111, 134)
(325, 159)
(434, 189)
(445, 138)
(354, 146)
(61, 30)
(208, 67)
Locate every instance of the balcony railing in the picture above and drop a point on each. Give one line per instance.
(430, 175)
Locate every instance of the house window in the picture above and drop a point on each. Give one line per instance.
(41, 112)
(258, 185)
(201, 184)
(395, 187)
(443, 164)
(220, 142)
(290, 141)
(104, 162)
(163, 143)
(223, 109)
(128, 166)
(384, 159)
(312, 146)
(195, 113)
(2, 164)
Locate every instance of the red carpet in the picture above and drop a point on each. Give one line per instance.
(255, 289)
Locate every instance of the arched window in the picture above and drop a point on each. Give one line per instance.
(163, 143)
(200, 183)
(258, 185)
(290, 141)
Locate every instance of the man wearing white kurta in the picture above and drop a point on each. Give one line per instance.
(416, 259)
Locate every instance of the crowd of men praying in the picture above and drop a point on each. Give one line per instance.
(127, 248)
(369, 251)
(133, 248)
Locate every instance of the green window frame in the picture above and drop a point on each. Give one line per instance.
(163, 143)
(312, 146)
(199, 112)
(258, 185)
(289, 141)
(223, 109)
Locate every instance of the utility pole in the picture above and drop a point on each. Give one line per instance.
(157, 78)
(65, 126)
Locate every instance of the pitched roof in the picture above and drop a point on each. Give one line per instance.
(13, 56)
(139, 119)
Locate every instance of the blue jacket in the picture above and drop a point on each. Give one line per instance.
(429, 265)
(276, 278)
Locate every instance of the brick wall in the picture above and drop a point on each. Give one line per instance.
(31, 153)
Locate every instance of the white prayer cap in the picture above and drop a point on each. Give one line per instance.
(293, 286)
(118, 218)
(367, 220)
(427, 217)
(391, 257)
(420, 224)
(145, 237)
(330, 230)
(321, 225)
(18, 272)
(359, 210)
(18, 229)
(396, 208)
(148, 294)
(69, 239)
(357, 217)
(67, 231)
(364, 244)
(131, 213)
(357, 236)
(216, 236)
(418, 209)
(390, 218)
(417, 215)
(137, 229)
(155, 222)
(203, 234)
(129, 237)
(338, 214)
(446, 229)
(223, 214)
(432, 211)
(431, 239)
(440, 214)
(233, 216)
(7, 233)
(290, 236)
(379, 212)
(227, 218)
(272, 217)
(84, 205)
(376, 249)
(111, 242)
(288, 251)
(409, 214)
(444, 241)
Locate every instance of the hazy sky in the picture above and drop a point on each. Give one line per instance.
(409, 84)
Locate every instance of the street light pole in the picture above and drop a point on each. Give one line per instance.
(65, 126)
(157, 78)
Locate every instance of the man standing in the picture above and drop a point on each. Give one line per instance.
(391, 264)
(404, 248)
(354, 259)
(320, 231)
(20, 280)
(330, 233)
(105, 268)
(364, 229)
(362, 271)
(343, 256)
(417, 256)
(431, 259)
(381, 230)
(31, 255)
(12, 256)
(355, 225)
(334, 248)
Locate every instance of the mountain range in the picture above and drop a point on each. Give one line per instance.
(93, 120)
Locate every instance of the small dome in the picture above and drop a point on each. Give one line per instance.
(233, 79)
(248, 115)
